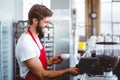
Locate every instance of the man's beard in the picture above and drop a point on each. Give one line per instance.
(39, 30)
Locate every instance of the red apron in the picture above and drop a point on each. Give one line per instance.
(42, 58)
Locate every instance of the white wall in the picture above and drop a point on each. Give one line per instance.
(10, 10)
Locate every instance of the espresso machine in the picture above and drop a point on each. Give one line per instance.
(102, 62)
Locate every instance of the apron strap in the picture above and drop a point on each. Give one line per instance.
(33, 37)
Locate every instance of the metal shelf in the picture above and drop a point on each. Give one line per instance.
(107, 43)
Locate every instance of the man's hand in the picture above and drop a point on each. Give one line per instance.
(73, 71)
(55, 60)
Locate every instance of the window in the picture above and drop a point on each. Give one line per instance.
(110, 17)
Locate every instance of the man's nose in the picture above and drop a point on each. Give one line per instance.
(47, 25)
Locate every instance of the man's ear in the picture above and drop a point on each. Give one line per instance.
(35, 21)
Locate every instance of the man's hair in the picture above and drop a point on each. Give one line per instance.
(39, 12)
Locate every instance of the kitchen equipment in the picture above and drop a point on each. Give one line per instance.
(103, 64)
(108, 59)
(81, 47)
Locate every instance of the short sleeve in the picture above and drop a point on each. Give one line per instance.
(26, 49)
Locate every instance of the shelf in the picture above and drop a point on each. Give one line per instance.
(49, 47)
(49, 41)
(108, 43)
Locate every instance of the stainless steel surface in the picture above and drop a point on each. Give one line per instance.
(61, 21)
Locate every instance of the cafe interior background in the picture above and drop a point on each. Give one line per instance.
(73, 21)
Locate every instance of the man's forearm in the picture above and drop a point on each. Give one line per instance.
(50, 74)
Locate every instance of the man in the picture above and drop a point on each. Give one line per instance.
(30, 52)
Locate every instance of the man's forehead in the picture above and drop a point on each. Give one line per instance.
(46, 18)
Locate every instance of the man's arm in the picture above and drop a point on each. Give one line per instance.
(36, 68)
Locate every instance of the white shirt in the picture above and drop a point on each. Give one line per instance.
(26, 48)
